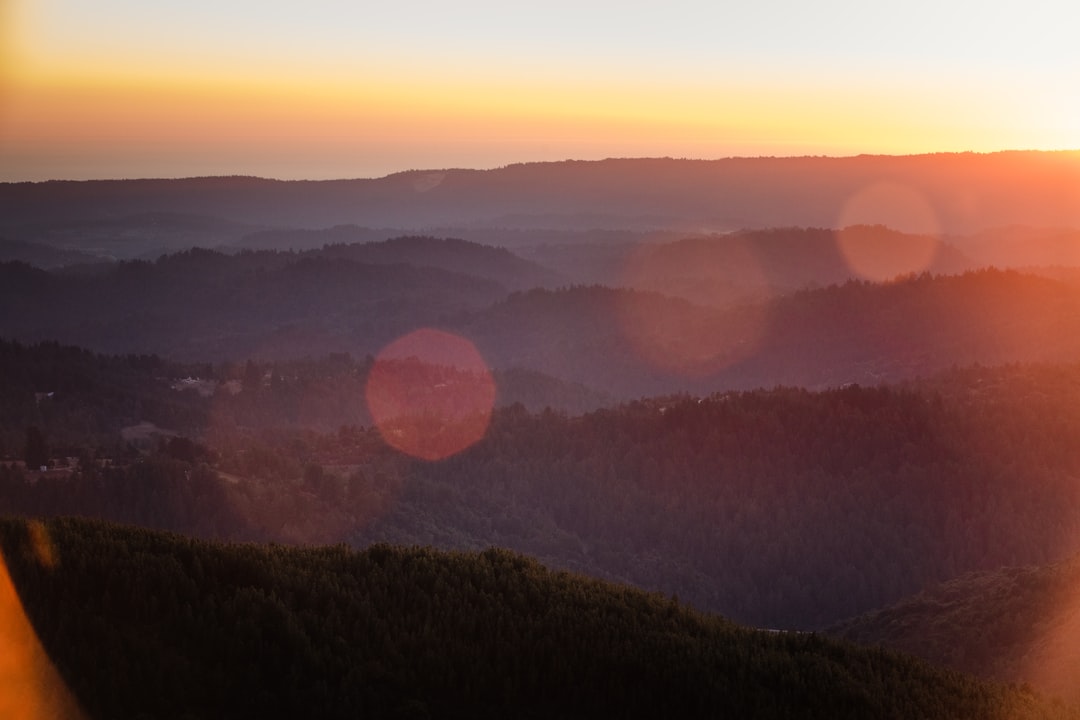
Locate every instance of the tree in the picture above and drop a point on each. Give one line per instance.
(36, 453)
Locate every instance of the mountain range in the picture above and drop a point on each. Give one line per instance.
(950, 193)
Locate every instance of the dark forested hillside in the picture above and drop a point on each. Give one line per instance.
(81, 400)
(142, 624)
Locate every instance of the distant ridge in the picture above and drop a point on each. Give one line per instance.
(956, 193)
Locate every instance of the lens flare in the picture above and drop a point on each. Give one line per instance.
(430, 394)
(875, 254)
(41, 543)
(1051, 660)
(30, 686)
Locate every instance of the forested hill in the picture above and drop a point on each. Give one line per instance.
(781, 508)
(143, 624)
(202, 305)
(82, 400)
(724, 269)
(635, 344)
(1015, 624)
(455, 255)
(960, 193)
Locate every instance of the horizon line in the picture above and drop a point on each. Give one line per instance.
(524, 163)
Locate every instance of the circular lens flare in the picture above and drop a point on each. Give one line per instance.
(430, 394)
(870, 238)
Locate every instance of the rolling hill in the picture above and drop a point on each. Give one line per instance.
(633, 344)
(206, 305)
(141, 234)
(42, 255)
(153, 625)
(451, 254)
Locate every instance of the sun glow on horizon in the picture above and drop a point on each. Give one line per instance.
(375, 128)
(125, 90)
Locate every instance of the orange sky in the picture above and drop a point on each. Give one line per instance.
(121, 89)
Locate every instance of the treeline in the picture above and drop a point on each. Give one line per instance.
(160, 491)
(81, 400)
(144, 624)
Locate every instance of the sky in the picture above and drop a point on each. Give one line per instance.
(343, 89)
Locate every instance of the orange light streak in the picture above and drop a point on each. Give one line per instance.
(30, 686)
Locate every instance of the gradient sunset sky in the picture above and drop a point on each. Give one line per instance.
(335, 88)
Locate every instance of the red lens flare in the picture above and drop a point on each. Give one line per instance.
(430, 394)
